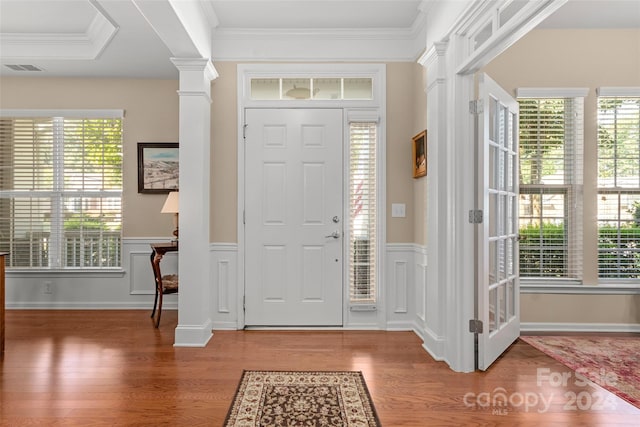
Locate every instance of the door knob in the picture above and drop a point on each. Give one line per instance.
(335, 235)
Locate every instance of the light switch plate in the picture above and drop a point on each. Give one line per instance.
(398, 210)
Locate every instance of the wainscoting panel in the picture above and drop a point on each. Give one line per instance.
(141, 281)
(400, 287)
(225, 289)
(400, 284)
(420, 263)
(132, 287)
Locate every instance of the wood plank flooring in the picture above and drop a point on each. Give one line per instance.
(112, 368)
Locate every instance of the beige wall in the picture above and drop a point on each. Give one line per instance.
(576, 58)
(564, 308)
(151, 115)
(224, 154)
(405, 100)
(420, 185)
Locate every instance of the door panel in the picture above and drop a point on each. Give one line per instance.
(498, 281)
(293, 190)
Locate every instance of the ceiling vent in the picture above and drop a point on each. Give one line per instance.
(26, 67)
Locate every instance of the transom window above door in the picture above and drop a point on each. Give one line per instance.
(312, 88)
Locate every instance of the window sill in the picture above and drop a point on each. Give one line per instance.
(85, 272)
(558, 287)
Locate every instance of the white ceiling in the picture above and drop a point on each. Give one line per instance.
(111, 38)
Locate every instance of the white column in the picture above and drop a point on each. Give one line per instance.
(449, 289)
(458, 232)
(437, 195)
(194, 299)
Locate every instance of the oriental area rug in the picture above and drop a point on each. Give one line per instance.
(611, 362)
(307, 398)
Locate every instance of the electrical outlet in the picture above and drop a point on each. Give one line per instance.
(48, 287)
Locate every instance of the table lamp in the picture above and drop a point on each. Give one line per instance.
(171, 206)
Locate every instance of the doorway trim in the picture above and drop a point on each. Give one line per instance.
(478, 36)
(358, 108)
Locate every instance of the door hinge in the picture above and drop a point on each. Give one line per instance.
(244, 132)
(475, 326)
(476, 107)
(475, 216)
(244, 303)
(244, 218)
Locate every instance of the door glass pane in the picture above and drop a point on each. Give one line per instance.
(265, 88)
(501, 260)
(482, 35)
(493, 303)
(327, 88)
(504, 130)
(493, 160)
(511, 302)
(492, 214)
(296, 88)
(358, 88)
(510, 172)
(493, 268)
(509, 255)
(502, 305)
(500, 172)
(510, 10)
(502, 214)
(493, 131)
(512, 131)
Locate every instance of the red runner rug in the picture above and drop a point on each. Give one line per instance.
(611, 362)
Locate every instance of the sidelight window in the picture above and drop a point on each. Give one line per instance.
(362, 212)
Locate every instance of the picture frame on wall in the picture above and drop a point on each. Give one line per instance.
(158, 167)
(419, 150)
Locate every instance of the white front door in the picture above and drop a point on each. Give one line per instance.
(293, 217)
(498, 280)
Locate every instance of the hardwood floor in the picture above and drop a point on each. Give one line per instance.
(113, 368)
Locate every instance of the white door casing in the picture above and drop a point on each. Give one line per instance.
(293, 217)
(498, 291)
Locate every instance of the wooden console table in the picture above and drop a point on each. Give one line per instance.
(167, 284)
(2, 264)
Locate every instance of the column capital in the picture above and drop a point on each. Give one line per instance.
(437, 50)
(203, 65)
(196, 75)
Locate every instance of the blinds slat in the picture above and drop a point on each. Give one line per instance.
(618, 187)
(60, 191)
(551, 139)
(362, 206)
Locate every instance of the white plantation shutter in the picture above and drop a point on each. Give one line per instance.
(551, 184)
(619, 183)
(60, 190)
(362, 212)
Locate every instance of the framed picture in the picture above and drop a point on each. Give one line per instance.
(420, 154)
(157, 167)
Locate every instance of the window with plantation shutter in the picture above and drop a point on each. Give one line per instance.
(618, 184)
(362, 212)
(550, 205)
(61, 189)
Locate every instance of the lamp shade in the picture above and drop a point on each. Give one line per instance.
(171, 204)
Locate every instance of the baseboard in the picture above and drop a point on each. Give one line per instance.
(579, 327)
(88, 306)
(433, 344)
(193, 335)
(399, 325)
(225, 326)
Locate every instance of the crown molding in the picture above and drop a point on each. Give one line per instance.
(302, 44)
(87, 45)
